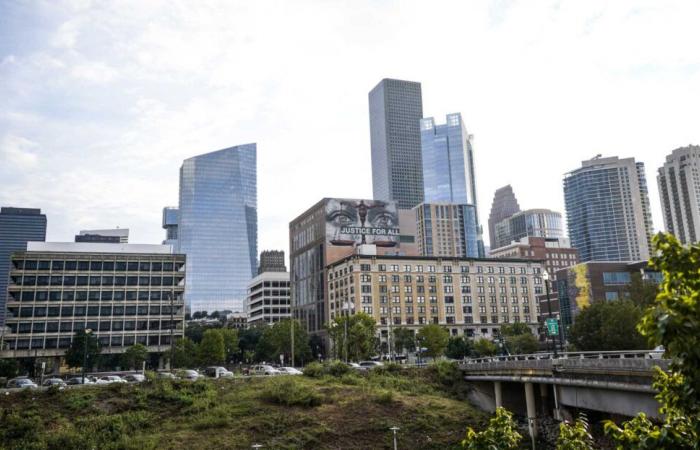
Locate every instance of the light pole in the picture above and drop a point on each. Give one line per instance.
(85, 342)
(545, 276)
(395, 429)
(346, 308)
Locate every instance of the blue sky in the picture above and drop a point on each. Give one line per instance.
(101, 101)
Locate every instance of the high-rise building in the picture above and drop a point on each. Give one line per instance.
(395, 111)
(272, 261)
(170, 219)
(531, 222)
(607, 208)
(504, 205)
(679, 188)
(114, 235)
(218, 227)
(268, 298)
(125, 293)
(17, 227)
(447, 229)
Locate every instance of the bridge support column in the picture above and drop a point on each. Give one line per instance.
(531, 412)
(498, 393)
(544, 404)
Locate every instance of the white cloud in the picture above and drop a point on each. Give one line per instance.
(18, 153)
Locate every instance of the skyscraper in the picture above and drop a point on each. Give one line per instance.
(607, 208)
(679, 188)
(218, 227)
(395, 111)
(272, 261)
(170, 219)
(447, 229)
(543, 223)
(504, 205)
(17, 227)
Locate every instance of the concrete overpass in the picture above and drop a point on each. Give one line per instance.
(540, 385)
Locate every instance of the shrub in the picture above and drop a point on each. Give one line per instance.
(290, 392)
(384, 396)
(336, 368)
(388, 368)
(446, 372)
(314, 370)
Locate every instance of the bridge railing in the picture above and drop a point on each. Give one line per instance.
(627, 354)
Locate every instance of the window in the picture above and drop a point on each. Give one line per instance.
(611, 295)
(616, 278)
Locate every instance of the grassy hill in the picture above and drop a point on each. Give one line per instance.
(341, 411)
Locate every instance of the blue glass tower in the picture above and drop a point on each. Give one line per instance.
(17, 227)
(218, 227)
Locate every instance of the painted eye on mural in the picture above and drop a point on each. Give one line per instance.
(341, 218)
(383, 220)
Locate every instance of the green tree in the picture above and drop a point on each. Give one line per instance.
(9, 368)
(248, 340)
(519, 339)
(500, 434)
(404, 339)
(194, 331)
(485, 347)
(76, 352)
(434, 338)
(276, 340)
(230, 336)
(362, 329)
(575, 436)
(134, 356)
(459, 347)
(609, 325)
(211, 349)
(185, 354)
(642, 292)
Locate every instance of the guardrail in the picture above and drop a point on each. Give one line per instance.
(627, 354)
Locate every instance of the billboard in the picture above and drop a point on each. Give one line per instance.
(352, 222)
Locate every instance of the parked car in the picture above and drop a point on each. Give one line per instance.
(188, 374)
(368, 365)
(263, 369)
(218, 372)
(134, 378)
(110, 379)
(21, 383)
(79, 380)
(54, 382)
(167, 375)
(289, 371)
(354, 365)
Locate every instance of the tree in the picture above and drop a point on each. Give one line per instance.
(195, 331)
(276, 340)
(230, 336)
(485, 347)
(76, 353)
(519, 339)
(361, 336)
(248, 340)
(610, 325)
(575, 436)
(642, 292)
(500, 434)
(434, 338)
(185, 354)
(404, 339)
(9, 368)
(211, 349)
(459, 347)
(134, 356)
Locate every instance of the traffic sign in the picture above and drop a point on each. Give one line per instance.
(552, 327)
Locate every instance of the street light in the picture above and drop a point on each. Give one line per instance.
(85, 341)
(545, 277)
(346, 308)
(395, 429)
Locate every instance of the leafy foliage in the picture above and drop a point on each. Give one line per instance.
(185, 353)
(575, 436)
(134, 356)
(434, 338)
(289, 391)
(501, 434)
(361, 336)
(459, 347)
(485, 347)
(211, 349)
(404, 339)
(230, 337)
(76, 352)
(276, 340)
(610, 325)
(519, 339)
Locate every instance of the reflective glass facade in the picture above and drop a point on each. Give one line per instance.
(447, 230)
(17, 227)
(218, 227)
(532, 222)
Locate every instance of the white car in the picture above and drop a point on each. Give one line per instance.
(79, 380)
(21, 383)
(188, 374)
(218, 372)
(264, 369)
(54, 382)
(134, 378)
(289, 371)
(367, 365)
(110, 379)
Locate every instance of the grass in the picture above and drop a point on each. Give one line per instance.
(347, 411)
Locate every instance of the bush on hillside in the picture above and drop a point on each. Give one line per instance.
(289, 391)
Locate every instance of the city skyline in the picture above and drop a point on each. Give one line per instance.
(101, 123)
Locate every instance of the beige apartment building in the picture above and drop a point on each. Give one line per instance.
(468, 296)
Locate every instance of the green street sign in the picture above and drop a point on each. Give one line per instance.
(552, 327)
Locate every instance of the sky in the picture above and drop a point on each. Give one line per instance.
(100, 102)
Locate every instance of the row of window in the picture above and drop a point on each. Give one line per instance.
(467, 299)
(450, 320)
(97, 266)
(445, 269)
(446, 279)
(81, 311)
(94, 296)
(50, 343)
(94, 280)
(105, 325)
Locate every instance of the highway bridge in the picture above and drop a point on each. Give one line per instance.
(545, 385)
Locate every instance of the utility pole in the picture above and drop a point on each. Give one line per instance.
(545, 275)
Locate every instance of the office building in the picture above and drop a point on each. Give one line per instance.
(471, 297)
(504, 205)
(330, 230)
(445, 229)
(17, 227)
(111, 236)
(607, 209)
(272, 261)
(543, 223)
(679, 188)
(395, 111)
(554, 253)
(585, 283)
(218, 227)
(268, 298)
(170, 219)
(125, 293)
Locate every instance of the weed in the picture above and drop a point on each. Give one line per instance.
(290, 392)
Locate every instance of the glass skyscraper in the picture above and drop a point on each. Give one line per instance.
(218, 227)
(607, 209)
(17, 227)
(532, 222)
(395, 111)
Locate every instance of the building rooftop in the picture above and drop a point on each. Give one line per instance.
(97, 247)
